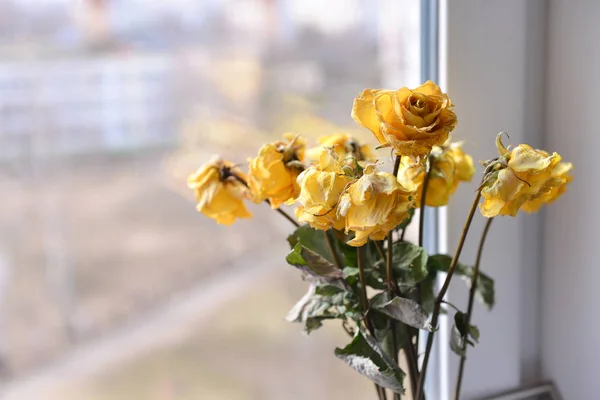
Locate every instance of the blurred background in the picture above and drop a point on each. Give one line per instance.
(111, 285)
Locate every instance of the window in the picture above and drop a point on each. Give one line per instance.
(110, 280)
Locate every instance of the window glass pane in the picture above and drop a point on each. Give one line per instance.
(111, 285)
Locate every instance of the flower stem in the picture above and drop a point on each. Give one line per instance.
(334, 253)
(379, 249)
(409, 350)
(428, 169)
(389, 274)
(389, 277)
(396, 165)
(422, 205)
(365, 307)
(285, 215)
(474, 279)
(441, 294)
(412, 359)
(363, 285)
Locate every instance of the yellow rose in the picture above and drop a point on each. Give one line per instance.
(273, 173)
(449, 166)
(410, 121)
(345, 147)
(374, 205)
(320, 188)
(464, 169)
(560, 172)
(219, 192)
(521, 174)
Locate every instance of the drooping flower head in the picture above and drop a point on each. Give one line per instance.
(345, 147)
(449, 165)
(560, 172)
(321, 186)
(272, 175)
(410, 121)
(220, 192)
(373, 205)
(521, 175)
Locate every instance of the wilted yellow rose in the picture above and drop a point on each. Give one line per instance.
(345, 146)
(219, 193)
(521, 174)
(410, 121)
(560, 172)
(374, 205)
(274, 171)
(463, 163)
(320, 188)
(449, 166)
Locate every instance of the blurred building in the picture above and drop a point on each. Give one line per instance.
(105, 105)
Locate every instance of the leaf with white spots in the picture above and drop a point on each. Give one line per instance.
(365, 356)
(406, 311)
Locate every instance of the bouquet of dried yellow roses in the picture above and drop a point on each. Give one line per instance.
(351, 216)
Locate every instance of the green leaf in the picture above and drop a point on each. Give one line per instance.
(365, 356)
(375, 279)
(337, 298)
(460, 334)
(328, 290)
(440, 262)
(313, 323)
(409, 264)
(311, 239)
(382, 326)
(406, 254)
(460, 321)
(428, 293)
(323, 302)
(311, 310)
(383, 333)
(456, 342)
(313, 264)
(347, 252)
(485, 292)
(315, 240)
(485, 285)
(474, 332)
(404, 310)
